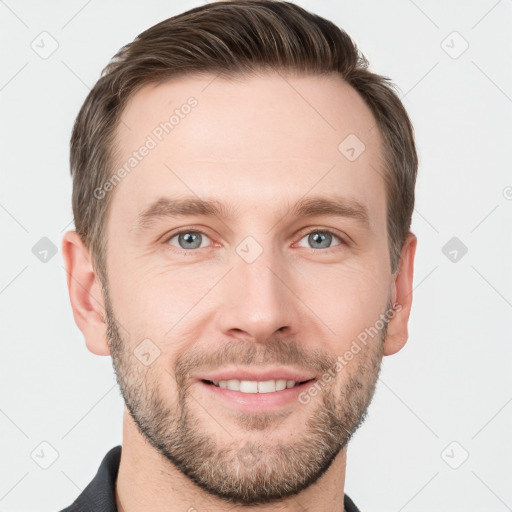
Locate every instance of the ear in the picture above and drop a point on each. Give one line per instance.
(397, 332)
(85, 293)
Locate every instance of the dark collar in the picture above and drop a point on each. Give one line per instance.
(100, 495)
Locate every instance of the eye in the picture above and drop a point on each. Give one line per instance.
(320, 239)
(189, 239)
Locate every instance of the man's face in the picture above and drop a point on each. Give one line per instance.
(262, 293)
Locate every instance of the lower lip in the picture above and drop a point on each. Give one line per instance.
(256, 402)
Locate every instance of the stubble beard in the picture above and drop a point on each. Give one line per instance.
(252, 470)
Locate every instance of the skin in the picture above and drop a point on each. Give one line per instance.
(259, 145)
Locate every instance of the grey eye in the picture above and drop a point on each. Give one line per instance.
(189, 240)
(320, 239)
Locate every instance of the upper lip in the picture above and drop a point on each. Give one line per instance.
(259, 375)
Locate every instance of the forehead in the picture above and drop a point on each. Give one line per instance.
(269, 139)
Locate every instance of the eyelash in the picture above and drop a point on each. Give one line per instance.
(195, 230)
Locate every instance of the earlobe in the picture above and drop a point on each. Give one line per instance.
(85, 293)
(397, 332)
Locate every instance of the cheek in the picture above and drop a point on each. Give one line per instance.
(347, 298)
(158, 301)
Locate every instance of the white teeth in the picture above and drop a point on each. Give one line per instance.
(249, 386)
(267, 386)
(233, 384)
(281, 384)
(253, 386)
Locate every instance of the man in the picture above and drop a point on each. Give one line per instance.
(242, 191)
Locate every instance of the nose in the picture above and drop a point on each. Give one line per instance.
(257, 299)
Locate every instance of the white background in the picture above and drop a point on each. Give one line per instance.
(452, 381)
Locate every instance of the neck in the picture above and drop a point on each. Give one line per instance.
(147, 481)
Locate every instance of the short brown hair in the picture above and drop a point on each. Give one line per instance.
(227, 38)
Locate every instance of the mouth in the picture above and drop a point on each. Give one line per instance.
(249, 395)
(255, 386)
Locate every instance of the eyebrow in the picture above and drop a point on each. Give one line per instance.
(175, 207)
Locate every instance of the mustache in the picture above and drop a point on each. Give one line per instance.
(278, 351)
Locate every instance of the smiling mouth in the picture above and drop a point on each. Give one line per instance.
(253, 386)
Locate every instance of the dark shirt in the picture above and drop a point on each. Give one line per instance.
(100, 495)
